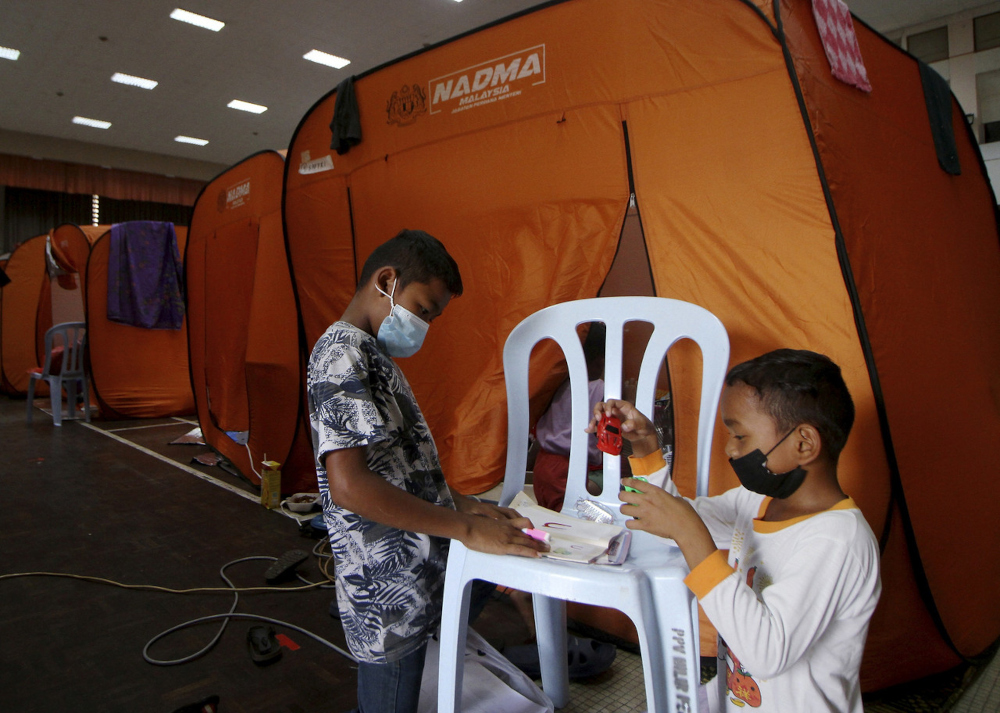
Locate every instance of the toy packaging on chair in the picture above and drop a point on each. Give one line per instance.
(573, 539)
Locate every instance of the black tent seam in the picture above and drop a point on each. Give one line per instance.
(896, 486)
(304, 349)
(621, 231)
(86, 311)
(354, 237)
(187, 245)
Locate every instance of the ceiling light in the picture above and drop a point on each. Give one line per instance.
(8, 53)
(96, 123)
(189, 140)
(133, 81)
(330, 60)
(246, 106)
(199, 20)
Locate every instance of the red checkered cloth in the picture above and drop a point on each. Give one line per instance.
(836, 30)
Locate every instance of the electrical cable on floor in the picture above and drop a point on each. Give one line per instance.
(231, 614)
(324, 560)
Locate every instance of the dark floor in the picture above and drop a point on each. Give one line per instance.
(74, 500)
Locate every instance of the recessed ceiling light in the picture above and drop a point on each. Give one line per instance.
(96, 123)
(246, 106)
(199, 20)
(8, 53)
(189, 140)
(330, 60)
(133, 81)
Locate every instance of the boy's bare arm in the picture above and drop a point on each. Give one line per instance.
(354, 487)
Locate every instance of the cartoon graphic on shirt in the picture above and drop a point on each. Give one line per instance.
(745, 690)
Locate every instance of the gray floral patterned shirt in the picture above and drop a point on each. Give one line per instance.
(389, 582)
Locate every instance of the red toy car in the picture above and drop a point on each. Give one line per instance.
(609, 435)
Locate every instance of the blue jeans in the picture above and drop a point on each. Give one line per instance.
(395, 687)
(391, 687)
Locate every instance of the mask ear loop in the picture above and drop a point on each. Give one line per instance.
(779, 442)
(390, 293)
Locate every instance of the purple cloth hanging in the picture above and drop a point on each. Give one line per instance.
(144, 276)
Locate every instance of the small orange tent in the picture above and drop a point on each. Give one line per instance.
(30, 298)
(135, 372)
(246, 363)
(802, 211)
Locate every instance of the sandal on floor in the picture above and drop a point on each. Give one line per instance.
(587, 657)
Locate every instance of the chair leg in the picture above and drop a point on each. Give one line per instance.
(86, 399)
(454, 630)
(71, 399)
(550, 629)
(677, 612)
(55, 395)
(31, 397)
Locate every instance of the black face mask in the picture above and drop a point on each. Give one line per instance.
(752, 471)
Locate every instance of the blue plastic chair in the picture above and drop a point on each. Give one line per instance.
(649, 586)
(70, 337)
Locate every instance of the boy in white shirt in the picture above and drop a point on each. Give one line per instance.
(793, 601)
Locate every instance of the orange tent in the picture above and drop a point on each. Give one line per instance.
(246, 364)
(32, 298)
(802, 211)
(135, 372)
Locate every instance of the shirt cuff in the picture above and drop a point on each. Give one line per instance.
(709, 572)
(649, 463)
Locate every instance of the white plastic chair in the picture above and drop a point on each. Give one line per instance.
(649, 587)
(70, 336)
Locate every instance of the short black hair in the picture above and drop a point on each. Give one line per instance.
(417, 257)
(799, 386)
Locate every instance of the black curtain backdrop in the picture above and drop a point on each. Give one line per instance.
(28, 212)
(116, 211)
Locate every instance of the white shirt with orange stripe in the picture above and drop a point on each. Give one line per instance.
(791, 604)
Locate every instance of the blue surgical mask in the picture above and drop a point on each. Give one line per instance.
(402, 333)
(754, 475)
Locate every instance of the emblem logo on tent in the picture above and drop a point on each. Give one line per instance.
(234, 196)
(488, 82)
(406, 105)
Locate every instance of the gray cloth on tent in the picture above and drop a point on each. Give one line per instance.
(346, 123)
(144, 276)
(937, 97)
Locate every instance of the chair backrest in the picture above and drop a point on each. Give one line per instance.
(71, 337)
(672, 320)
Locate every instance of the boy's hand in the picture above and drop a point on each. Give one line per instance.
(472, 506)
(497, 530)
(657, 512)
(502, 537)
(636, 428)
